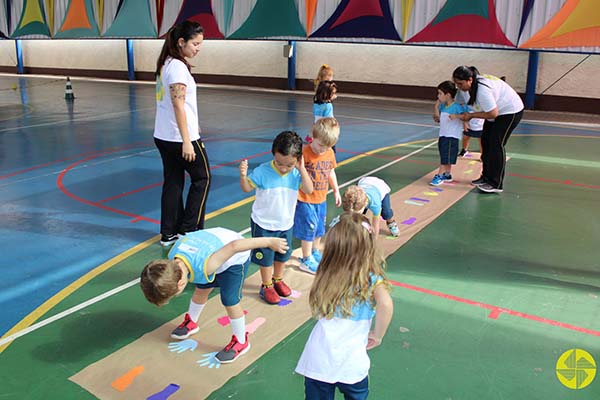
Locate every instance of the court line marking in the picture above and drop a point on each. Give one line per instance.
(26, 325)
(496, 311)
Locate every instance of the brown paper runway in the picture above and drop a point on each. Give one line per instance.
(148, 366)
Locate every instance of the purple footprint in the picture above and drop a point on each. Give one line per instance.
(165, 393)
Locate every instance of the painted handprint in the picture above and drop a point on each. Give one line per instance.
(209, 360)
(184, 345)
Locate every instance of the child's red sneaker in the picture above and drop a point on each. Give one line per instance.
(281, 288)
(186, 329)
(233, 350)
(268, 294)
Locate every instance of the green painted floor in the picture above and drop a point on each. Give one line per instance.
(533, 249)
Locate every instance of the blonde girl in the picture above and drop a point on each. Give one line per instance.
(325, 74)
(348, 285)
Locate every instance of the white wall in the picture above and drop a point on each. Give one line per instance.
(371, 63)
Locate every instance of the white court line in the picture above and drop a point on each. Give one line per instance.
(127, 285)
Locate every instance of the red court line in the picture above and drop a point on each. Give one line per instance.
(567, 182)
(61, 186)
(118, 196)
(495, 310)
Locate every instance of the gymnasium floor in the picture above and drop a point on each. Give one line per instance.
(487, 297)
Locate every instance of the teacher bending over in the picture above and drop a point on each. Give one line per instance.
(494, 100)
(177, 134)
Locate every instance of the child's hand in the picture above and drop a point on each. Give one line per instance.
(279, 245)
(300, 165)
(436, 118)
(374, 341)
(244, 168)
(338, 198)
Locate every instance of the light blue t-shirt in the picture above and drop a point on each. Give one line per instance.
(375, 189)
(322, 110)
(195, 248)
(276, 196)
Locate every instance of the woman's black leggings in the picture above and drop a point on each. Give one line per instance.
(494, 138)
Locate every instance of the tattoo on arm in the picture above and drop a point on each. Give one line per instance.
(177, 91)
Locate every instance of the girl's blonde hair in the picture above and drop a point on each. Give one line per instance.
(351, 258)
(322, 74)
(355, 199)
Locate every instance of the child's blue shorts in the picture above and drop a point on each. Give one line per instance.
(448, 147)
(265, 257)
(230, 282)
(309, 220)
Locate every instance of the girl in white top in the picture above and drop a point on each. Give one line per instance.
(348, 285)
(494, 100)
(177, 134)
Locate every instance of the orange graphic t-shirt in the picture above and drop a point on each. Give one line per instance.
(318, 166)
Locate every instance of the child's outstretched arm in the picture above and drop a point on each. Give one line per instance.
(244, 183)
(383, 315)
(307, 183)
(336, 189)
(219, 257)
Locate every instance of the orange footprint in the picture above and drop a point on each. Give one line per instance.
(123, 382)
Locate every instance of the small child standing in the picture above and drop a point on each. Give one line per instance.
(373, 194)
(215, 257)
(325, 74)
(325, 94)
(474, 129)
(311, 209)
(348, 286)
(276, 183)
(447, 113)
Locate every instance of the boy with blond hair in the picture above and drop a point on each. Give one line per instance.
(311, 209)
(215, 257)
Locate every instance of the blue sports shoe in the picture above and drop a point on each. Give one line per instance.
(309, 264)
(437, 180)
(447, 177)
(317, 255)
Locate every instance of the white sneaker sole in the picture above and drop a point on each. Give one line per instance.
(493, 190)
(238, 356)
(190, 333)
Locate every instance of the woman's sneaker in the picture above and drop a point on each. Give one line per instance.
(168, 240)
(233, 350)
(309, 264)
(478, 181)
(447, 177)
(463, 153)
(186, 329)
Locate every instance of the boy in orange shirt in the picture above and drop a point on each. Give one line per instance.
(311, 209)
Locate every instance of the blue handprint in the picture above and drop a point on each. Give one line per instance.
(209, 360)
(184, 345)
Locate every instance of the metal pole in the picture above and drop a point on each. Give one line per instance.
(292, 66)
(130, 63)
(19, 49)
(532, 72)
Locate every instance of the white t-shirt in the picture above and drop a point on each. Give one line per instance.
(336, 350)
(493, 92)
(165, 125)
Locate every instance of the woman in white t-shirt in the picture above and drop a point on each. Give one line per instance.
(177, 134)
(491, 98)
